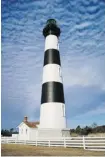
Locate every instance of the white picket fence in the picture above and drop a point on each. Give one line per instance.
(90, 143)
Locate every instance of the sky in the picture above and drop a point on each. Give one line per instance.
(82, 53)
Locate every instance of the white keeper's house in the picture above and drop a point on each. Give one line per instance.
(28, 130)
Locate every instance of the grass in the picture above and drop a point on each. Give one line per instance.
(97, 134)
(26, 150)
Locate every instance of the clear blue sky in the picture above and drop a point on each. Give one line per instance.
(82, 50)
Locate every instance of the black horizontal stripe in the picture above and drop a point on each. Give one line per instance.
(52, 92)
(52, 57)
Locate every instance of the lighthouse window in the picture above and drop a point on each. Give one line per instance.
(60, 72)
(26, 131)
(63, 110)
(58, 46)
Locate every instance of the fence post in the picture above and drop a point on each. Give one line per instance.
(49, 143)
(83, 142)
(64, 142)
(6, 140)
(36, 141)
(25, 141)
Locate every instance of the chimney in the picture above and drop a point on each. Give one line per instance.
(25, 119)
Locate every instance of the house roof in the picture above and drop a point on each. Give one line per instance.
(31, 124)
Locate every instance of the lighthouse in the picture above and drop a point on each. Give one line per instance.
(52, 111)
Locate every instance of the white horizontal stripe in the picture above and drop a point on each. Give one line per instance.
(51, 42)
(52, 115)
(52, 72)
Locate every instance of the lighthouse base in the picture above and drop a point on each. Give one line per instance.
(53, 133)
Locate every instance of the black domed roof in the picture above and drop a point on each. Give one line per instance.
(51, 28)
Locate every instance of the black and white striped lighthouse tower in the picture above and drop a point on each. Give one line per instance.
(52, 111)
